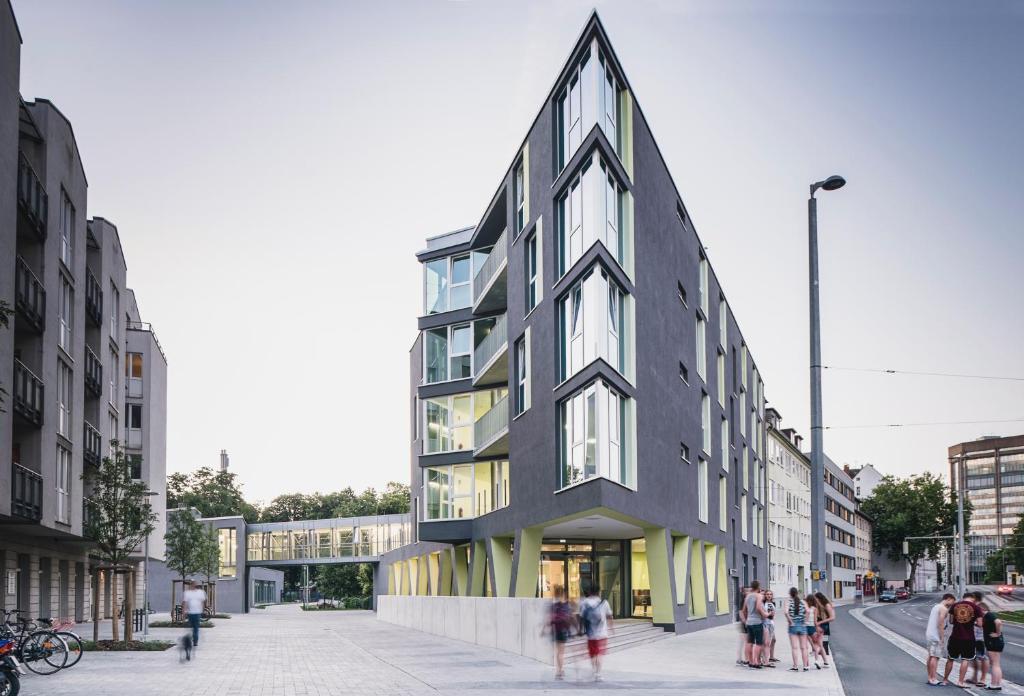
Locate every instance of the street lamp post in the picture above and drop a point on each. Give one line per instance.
(818, 558)
(145, 580)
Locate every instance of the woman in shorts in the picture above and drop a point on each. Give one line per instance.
(994, 643)
(796, 616)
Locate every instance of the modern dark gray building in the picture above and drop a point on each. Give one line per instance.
(584, 407)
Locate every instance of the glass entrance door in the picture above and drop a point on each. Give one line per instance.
(577, 566)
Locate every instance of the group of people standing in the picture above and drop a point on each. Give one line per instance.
(808, 625)
(967, 632)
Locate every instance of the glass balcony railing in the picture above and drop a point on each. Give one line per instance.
(32, 199)
(489, 284)
(490, 432)
(26, 493)
(93, 299)
(29, 296)
(93, 373)
(28, 394)
(488, 353)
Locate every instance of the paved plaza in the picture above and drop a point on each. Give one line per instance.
(282, 651)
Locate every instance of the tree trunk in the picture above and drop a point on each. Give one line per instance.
(114, 632)
(913, 572)
(129, 604)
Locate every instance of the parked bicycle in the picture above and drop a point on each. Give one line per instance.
(41, 650)
(73, 640)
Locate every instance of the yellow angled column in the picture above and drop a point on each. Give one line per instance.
(500, 552)
(658, 544)
(681, 561)
(478, 566)
(434, 565)
(460, 570)
(421, 585)
(527, 561)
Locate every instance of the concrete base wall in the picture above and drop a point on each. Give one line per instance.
(506, 623)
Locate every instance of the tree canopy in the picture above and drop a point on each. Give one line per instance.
(919, 506)
(184, 539)
(344, 503)
(213, 493)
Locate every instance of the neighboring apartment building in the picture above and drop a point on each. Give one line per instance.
(865, 478)
(789, 509)
(62, 357)
(569, 430)
(840, 530)
(989, 471)
(863, 554)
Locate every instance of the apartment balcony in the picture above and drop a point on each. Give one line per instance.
(490, 432)
(490, 286)
(93, 374)
(26, 493)
(92, 451)
(490, 358)
(94, 300)
(29, 296)
(28, 394)
(32, 199)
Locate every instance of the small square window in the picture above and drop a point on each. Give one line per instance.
(681, 294)
(684, 452)
(684, 374)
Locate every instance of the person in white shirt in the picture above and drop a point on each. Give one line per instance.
(596, 616)
(934, 634)
(192, 603)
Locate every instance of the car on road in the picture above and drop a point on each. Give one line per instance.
(887, 596)
(1004, 590)
(902, 593)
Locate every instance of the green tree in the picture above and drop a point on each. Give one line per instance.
(919, 506)
(184, 539)
(341, 580)
(209, 554)
(213, 493)
(995, 566)
(290, 507)
(119, 517)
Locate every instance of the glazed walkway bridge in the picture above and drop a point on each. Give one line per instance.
(338, 540)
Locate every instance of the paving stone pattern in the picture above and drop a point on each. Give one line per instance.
(283, 651)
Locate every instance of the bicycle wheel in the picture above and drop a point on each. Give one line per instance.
(44, 652)
(74, 648)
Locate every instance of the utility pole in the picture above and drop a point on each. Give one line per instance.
(962, 551)
(818, 557)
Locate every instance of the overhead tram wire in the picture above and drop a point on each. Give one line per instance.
(914, 425)
(1003, 378)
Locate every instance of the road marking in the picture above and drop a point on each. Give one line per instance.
(1017, 644)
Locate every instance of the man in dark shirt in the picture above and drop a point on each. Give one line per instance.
(963, 615)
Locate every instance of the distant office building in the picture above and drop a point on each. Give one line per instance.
(789, 508)
(989, 471)
(79, 367)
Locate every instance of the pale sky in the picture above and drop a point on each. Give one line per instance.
(273, 167)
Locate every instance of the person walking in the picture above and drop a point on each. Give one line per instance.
(796, 613)
(994, 643)
(828, 612)
(768, 652)
(597, 619)
(935, 636)
(960, 647)
(753, 618)
(560, 624)
(193, 600)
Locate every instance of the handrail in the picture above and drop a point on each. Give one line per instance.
(30, 293)
(146, 326)
(489, 347)
(32, 194)
(26, 492)
(491, 265)
(491, 424)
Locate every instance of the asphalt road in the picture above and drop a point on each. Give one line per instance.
(869, 665)
(910, 617)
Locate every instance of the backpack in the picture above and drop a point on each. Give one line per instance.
(560, 616)
(590, 617)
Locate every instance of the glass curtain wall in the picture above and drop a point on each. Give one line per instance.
(460, 491)
(449, 419)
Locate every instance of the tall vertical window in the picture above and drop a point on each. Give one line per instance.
(703, 290)
(114, 369)
(448, 284)
(227, 544)
(66, 313)
(461, 288)
(133, 375)
(63, 485)
(723, 510)
(448, 353)
(721, 379)
(67, 231)
(705, 422)
(723, 323)
(591, 96)
(591, 318)
(743, 413)
(702, 489)
(609, 98)
(112, 433)
(725, 443)
(522, 372)
(702, 348)
(744, 511)
(590, 211)
(133, 425)
(746, 469)
(64, 380)
(115, 311)
(532, 274)
(519, 191)
(743, 364)
(593, 426)
(135, 466)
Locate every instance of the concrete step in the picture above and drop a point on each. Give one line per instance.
(625, 636)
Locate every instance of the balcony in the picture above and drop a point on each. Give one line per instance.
(93, 374)
(32, 200)
(93, 300)
(490, 358)
(490, 286)
(29, 296)
(92, 451)
(26, 493)
(28, 394)
(490, 432)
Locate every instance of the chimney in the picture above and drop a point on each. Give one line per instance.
(223, 460)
